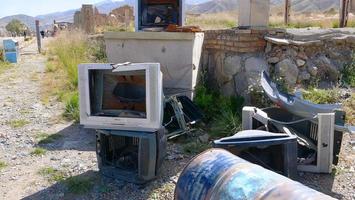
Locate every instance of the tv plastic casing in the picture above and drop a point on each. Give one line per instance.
(154, 99)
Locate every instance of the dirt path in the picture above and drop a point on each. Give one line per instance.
(22, 117)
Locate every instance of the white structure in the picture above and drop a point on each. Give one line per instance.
(253, 13)
(121, 97)
(178, 54)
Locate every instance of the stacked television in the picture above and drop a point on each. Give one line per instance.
(124, 103)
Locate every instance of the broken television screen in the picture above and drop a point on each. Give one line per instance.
(163, 14)
(118, 94)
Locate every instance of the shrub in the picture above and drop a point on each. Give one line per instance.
(79, 185)
(348, 73)
(320, 96)
(72, 111)
(221, 112)
(53, 175)
(38, 151)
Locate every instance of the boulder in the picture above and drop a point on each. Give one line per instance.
(256, 65)
(326, 69)
(288, 70)
(232, 65)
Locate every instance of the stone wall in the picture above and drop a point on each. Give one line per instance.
(316, 57)
(233, 59)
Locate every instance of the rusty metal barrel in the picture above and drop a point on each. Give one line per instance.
(217, 174)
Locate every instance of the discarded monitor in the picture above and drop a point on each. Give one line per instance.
(129, 155)
(273, 151)
(158, 14)
(121, 97)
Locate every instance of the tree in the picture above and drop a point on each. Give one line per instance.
(16, 26)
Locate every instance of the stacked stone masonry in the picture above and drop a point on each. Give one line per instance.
(233, 59)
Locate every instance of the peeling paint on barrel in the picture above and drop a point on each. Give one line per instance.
(218, 174)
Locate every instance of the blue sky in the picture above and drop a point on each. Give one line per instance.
(39, 7)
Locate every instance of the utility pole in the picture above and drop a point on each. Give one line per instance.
(287, 11)
(344, 13)
(38, 36)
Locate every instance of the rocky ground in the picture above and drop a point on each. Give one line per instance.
(24, 119)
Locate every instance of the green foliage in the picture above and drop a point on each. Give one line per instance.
(320, 96)
(226, 124)
(79, 185)
(53, 175)
(44, 138)
(18, 123)
(38, 151)
(221, 112)
(16, 26)
(2, 165)
(71, 50)
(348, 73)
(349, 108)
(195, 147)
(72, 107)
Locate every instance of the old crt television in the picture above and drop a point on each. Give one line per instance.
(159, 13)
(121, 97)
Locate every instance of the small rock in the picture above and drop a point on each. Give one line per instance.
(300, 62)
(312, 69)
(287, 69)
(302, 55)
(273, 60)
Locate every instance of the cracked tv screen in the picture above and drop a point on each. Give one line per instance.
(118, 94)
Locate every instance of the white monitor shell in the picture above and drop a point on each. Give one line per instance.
(154, 99)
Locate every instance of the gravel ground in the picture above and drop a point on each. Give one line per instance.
(73, 152)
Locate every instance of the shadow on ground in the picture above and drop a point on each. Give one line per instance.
(93, 185)
(73, 137)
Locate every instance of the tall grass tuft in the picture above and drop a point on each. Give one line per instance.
(71, 48)
(66, 52)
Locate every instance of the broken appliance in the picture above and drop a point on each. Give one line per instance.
(131, 156)
(273, 151)
(123, 97)
(157, 15)
(124, 103)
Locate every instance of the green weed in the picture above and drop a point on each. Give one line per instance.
(348, 73)
(79, 185)
(2, 165)
(72, 107)
(38, 151)
(44, 138)
(320, 96)
(53, 175)
(18, 123)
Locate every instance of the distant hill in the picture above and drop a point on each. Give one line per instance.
(214, 6)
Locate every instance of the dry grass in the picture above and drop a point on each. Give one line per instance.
(213, 21)
(298, 20)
